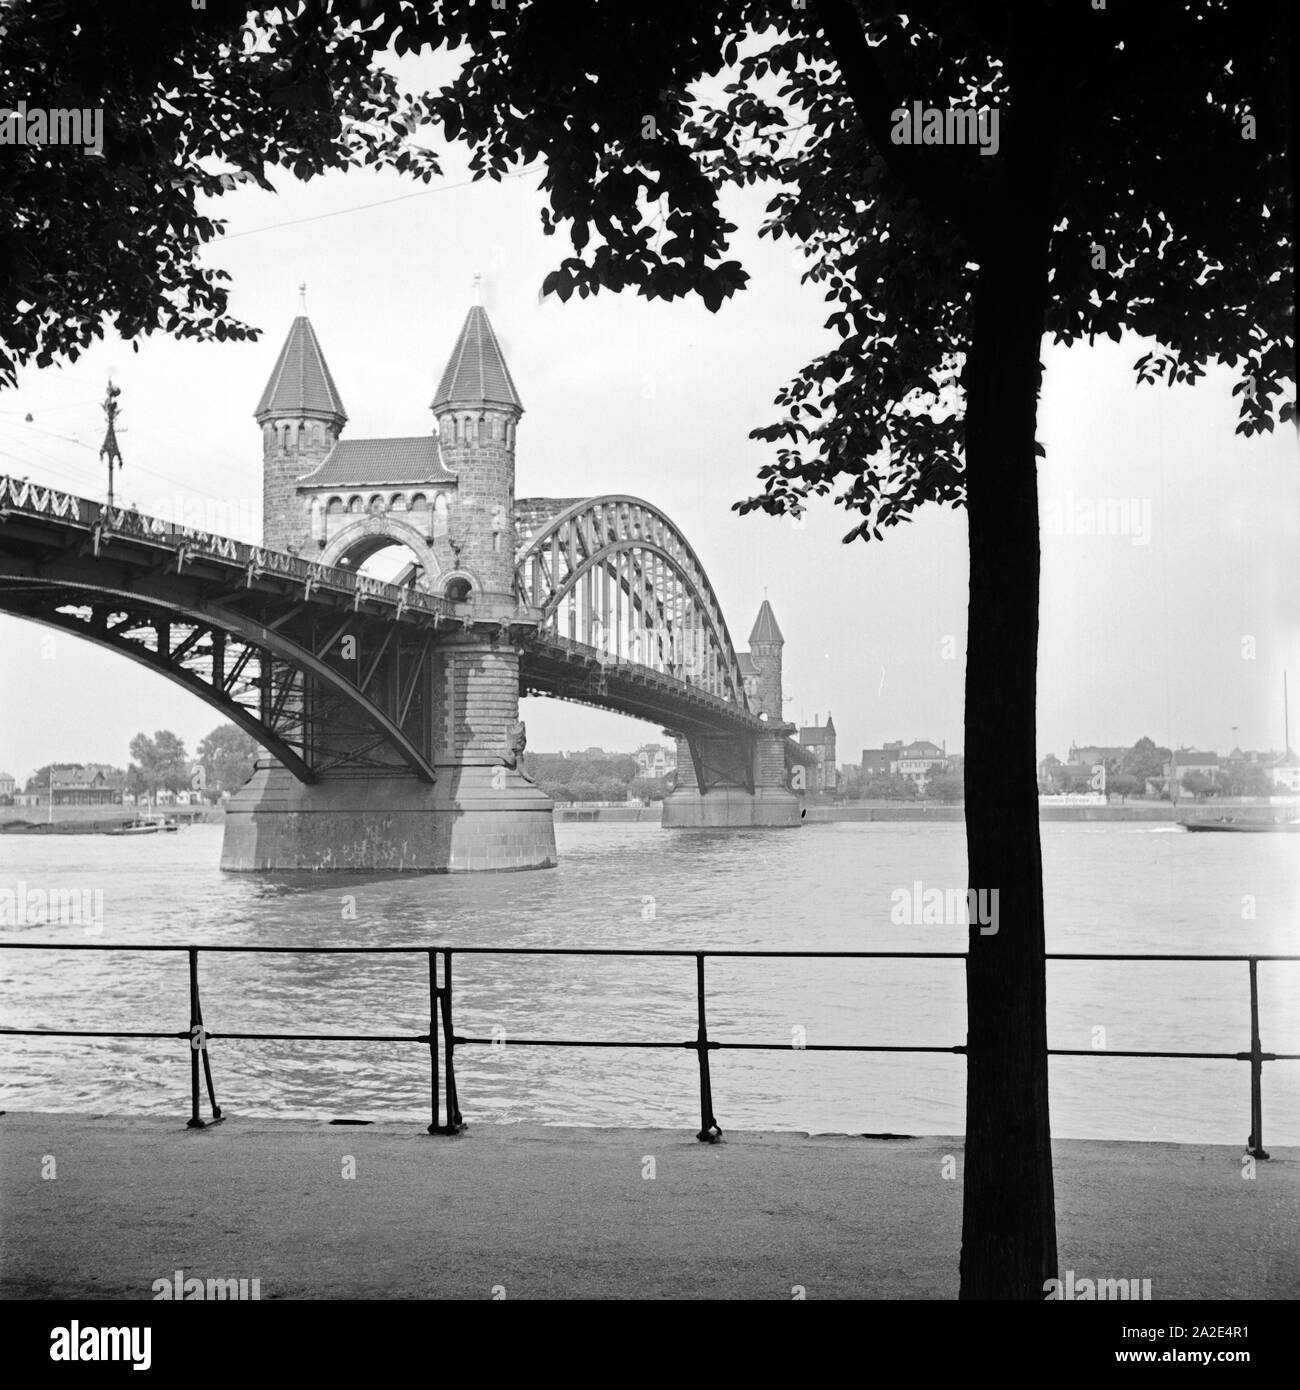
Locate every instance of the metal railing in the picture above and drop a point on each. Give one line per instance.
(441, 1020)
(125, 523)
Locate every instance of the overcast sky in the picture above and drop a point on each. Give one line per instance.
(1141, 633)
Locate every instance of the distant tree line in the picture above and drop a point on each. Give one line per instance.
(1148, 763)
(159, 762)
(615, 777)
(939, 786)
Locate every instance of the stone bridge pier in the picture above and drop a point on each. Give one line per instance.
(480, 813)
(731, 782)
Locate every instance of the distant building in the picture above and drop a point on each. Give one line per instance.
(819, 740)
(876, 762)
(918, 760)
(1285, 773)
(7, 784)
(82, 784)
(654, 760)
(1092, 754)
(1186, 761)
(1061, 777)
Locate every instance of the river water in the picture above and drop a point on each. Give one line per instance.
(1110, 888)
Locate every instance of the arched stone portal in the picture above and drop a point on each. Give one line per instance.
(362, 538)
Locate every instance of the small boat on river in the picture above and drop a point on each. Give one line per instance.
(145, 825)
(1244, 827)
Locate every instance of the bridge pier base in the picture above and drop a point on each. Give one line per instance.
(731, 808)
(730, 783)
(474, 819)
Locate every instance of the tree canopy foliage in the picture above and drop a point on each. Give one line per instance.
(195, 104)
(158, 762)
(1140, 184)
(227, 756)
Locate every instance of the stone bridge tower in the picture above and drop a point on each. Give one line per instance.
(447, 498)
(723, 782)
(477, 409)
(302, 416)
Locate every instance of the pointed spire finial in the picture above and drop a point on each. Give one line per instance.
(478, 288)
(302, 297)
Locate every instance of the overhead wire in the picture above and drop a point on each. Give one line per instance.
(362, 207)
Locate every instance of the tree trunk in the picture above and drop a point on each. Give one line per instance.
(1008, 1217)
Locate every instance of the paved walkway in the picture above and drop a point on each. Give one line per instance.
(596, 1213)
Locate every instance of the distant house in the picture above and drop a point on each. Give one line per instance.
(1092, 754)
(77, 784)
(876, 762)
(1061, 777)
(654, 760)
(7, 784)
(1285, 773)
(918, 760)
(1186, 761)
(819, 740)
(1244, 757)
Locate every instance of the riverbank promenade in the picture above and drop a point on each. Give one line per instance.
(104, 1207)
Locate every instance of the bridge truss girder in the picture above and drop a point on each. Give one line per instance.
(284, 673)
(615, 575)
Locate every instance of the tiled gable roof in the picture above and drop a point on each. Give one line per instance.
(375, 462)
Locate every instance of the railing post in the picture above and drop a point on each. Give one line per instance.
(198, 1041)
(454, 1122)
(710, 1132)
(440, 1012)
(1255, 1144)
(434, 994)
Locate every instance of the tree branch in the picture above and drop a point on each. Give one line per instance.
(935, 175)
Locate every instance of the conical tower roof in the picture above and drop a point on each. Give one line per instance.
(765, 628)
(476, 373)
(301, 382)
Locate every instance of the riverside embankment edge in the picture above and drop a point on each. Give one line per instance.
(105, 1206)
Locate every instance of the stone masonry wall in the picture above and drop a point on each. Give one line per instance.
(482, 507)
(766, 657)
(286, 520)
(478, 701)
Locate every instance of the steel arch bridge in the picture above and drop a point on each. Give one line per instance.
(628, 619)
(259, 635)
(612, 609)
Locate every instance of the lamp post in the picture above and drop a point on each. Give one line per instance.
(109, 449)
